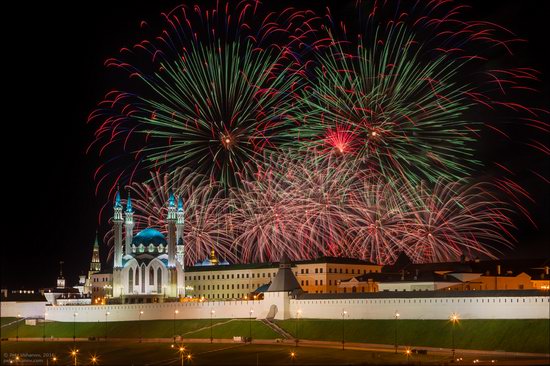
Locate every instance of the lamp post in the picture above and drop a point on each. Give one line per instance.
(140, 314)
(74, 353)
(106, 315)
(212, 312)
(182, 353)
(344, 313)
(17, 334)
(250, 325)
(74, 327)
(298, 313)
(174, 325)
(396, 319)
(292, 357)
(454, 320)
(44, 328)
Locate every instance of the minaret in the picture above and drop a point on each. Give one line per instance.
(117, 228)
(180, 222)
(129, 225)
(95, 265)
(61, 279)
(171, 220)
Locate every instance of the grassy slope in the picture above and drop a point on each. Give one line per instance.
(199, 328)
(509, 335)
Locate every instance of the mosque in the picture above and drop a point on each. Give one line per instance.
(147, 266)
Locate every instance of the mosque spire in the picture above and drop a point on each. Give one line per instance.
(129, 203)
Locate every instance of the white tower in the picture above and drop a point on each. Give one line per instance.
(117, 226)
(171, 221)
(128, 225)
(180, 222)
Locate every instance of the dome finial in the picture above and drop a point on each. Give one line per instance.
(171, 199)
(118, 204)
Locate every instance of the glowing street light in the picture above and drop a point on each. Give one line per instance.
(454, 320)
(292, 356)
(212, 312)
(93, 360)
(18, 321)
(181, 350)
(140, 314)
(250, 326)
(44, 328)
(74, 353)
(408, 354)
(74, 327)
(174, 324)
(396, 318)
(344, 313)
(298, 314)
(106, 315)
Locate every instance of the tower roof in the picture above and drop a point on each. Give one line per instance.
(285, 279)
(171, 198)
(96, 242)
(129, 204)
(118, 204)
(180, 204)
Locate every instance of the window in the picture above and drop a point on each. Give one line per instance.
(151, 276)
(321, 282)
(316, 270)
(316, 283)
(307, 270)
(137, 276)
(302, 271)
(320, 270)
(159, 280)
(352, 271)
(330, 282)
(131, 281)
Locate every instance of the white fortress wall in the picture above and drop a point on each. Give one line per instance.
(512, 307)
(530, 307)
(186, 310)
(27, 309)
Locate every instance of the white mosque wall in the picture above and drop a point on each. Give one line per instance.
(528, 307)
(25, 309)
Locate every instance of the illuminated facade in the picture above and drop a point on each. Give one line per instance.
(240, 281)
(148, 266)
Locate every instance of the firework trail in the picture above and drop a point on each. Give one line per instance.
(205, 209)
(214, 89)
(403, 91)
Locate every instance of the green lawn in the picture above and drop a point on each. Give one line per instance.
(128, 353)
(200, 328)
(509, 335)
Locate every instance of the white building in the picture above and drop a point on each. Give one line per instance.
(148, 266)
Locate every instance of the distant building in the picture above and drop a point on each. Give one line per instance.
(102, 286)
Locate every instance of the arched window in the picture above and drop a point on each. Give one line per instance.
(130, 281)
(151, 276)
(137, 276)
(159, 280)
(143, 279)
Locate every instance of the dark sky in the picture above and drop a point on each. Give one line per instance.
(55, 76)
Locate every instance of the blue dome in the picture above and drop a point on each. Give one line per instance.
(149, 236)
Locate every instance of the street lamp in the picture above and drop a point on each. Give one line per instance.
(396, 318)
(250, 326)
(298, 313)
(44, 328)
(93, 360)
(189, 359)
(106, 315)
(174, 325)
(182, 353)
(18, 321)
(74, 326)
(454, 320)
(292, 356)
(140, 314)
(408, 354)
(344, 313)
(74, 353)
(212, 312)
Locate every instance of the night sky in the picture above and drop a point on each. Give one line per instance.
(55, 77)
